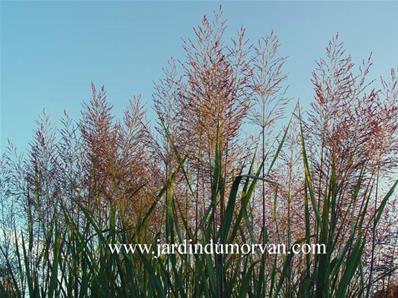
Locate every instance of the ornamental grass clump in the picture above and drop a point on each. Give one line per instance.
(325, 176)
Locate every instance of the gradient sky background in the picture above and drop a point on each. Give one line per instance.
(50, 52)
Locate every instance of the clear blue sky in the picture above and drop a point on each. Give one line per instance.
(50, 52)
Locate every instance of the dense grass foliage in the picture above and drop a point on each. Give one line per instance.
(74, 259)
(326, 177)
